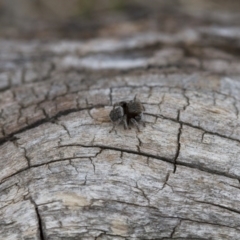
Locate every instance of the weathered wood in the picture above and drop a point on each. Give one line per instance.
(64, 176)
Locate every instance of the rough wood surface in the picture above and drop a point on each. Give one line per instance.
(64, 176)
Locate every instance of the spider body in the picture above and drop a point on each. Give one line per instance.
(127, 112)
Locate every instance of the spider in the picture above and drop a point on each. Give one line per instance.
(126, 112)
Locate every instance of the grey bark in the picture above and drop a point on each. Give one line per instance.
(64, 176)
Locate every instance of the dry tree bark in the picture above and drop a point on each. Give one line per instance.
(64, 176)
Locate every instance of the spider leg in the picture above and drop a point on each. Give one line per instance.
(116, 124)
(135, 123)
(136, 99)
(143, 119)
(125, 122)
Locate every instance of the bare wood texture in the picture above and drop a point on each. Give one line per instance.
(64, 176)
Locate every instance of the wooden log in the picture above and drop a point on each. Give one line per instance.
(64, 176)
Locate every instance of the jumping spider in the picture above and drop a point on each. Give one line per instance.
(126, 112)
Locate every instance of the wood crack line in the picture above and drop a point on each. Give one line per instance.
(220, 206)
(178, 147)
(102, 147)
(11, 136)
(40, 225)
(193, 126)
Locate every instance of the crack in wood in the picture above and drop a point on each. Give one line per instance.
(39, 165)
(208, 170)
(103, 147)
(40, 223)
(202, 136)
(166, 180)
(71, 163)
(178, 148)
(174, 229)
(218, 205)
(236, 108)
(26, 156)
(64, 127)
(193, 126)
(11, 136)
(94, 167)
(139, 144)
(187, 99)
(143, 193)
(118, 149)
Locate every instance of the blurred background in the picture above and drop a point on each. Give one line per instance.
(74, 19)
